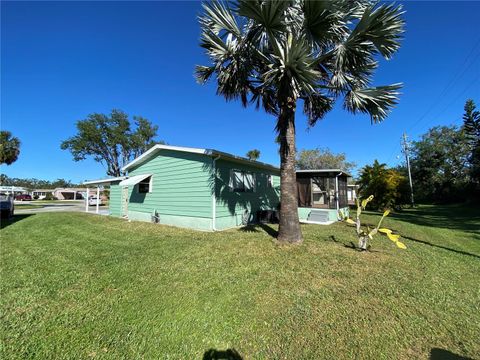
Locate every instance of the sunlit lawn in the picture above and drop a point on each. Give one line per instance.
(76, 285)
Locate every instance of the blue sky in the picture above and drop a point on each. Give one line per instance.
(63, 60)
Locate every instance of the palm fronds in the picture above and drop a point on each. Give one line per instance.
(317, 51)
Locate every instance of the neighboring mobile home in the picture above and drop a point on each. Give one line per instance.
(195, 188)
(322, 194)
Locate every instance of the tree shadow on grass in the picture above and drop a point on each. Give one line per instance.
(440, 246)
(260, 227)
(229, 354)
(441, 354)
(7, 222)
(455, 217)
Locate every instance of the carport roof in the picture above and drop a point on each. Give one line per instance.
(104, 181)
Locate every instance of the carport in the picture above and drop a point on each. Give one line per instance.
(96, 184)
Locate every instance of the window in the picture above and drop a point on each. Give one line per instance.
(249, 182)
(242, 181)
(236, 179)
(145, 186)
(270, 181)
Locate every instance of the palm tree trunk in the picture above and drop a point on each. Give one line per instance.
(289, 228)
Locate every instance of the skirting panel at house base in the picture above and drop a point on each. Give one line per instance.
(189, 222)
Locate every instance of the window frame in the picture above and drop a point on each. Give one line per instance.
(143, 182)
(243, 189)
(270, 181)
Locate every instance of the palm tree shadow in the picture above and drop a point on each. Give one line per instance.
(229, 354)
(258, 228)
(440, 246)
(441, 354)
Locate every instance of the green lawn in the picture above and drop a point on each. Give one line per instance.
(76, 285)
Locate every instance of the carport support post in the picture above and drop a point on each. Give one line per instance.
(86, 202)
(98, 198)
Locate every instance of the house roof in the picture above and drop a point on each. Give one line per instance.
(150, 153)
(320, 171)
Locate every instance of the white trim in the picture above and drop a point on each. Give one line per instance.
(214, 196)
(208, 152)
(163, 147)
(98, 200)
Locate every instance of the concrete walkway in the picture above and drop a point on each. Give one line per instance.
(61, 206)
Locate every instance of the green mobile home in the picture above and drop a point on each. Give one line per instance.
(194, 188)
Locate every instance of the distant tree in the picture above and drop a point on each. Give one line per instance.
(253, 154)
(3, 179)
(439, 165)
(110, 140)
(388, 187)
(323, 159)
(471, 125)
(36, 183)
(280, 54)
(9, 148)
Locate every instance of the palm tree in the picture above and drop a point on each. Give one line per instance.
(274, 53)
(253, 154)
(9, 148)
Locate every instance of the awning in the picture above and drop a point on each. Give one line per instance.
(134, 180)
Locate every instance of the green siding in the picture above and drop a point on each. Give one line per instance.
(231, 206)
(115, 199)
(182, 192)
(181, 185)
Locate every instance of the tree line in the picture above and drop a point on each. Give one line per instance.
(33, 183)
(445, 167)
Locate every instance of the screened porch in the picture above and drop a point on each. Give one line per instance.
(322, 189)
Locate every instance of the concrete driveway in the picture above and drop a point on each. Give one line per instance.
(60, 206)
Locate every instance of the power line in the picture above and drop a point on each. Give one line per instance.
(454, 79)
(459, 96)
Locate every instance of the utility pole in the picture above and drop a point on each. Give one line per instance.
(405, 146)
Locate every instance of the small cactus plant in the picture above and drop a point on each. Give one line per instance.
(365, 234)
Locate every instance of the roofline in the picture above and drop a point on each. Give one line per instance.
(208, 152)
(103, 181)
(324, 171)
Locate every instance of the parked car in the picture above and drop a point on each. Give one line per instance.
(6, 205)
(92, 201)
(23, 197)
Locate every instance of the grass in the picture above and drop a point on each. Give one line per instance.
(82, 286)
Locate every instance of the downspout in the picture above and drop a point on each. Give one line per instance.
(214, 198)
(336, 191)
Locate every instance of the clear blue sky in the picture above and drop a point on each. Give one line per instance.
(63, 60)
